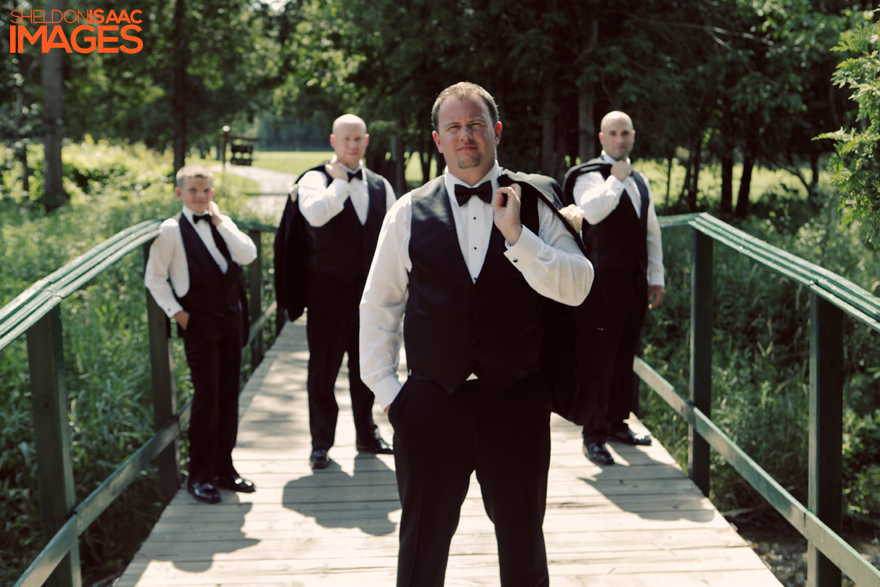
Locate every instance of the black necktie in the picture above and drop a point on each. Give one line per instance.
(482, 191)
(358, 174)
(197, 217)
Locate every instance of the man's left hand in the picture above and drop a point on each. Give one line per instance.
(656, 293)
(214, 211)
(507, 213)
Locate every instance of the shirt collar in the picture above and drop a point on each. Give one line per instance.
(609, 159)
(452, 181)
(335, 159)
(188, 212)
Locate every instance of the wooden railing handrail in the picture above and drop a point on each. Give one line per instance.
(831, 296)
(842, 293)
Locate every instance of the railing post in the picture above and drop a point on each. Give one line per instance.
(52, 438)
(826, 432)
(255, 284)
(164, 392)
(701, 355)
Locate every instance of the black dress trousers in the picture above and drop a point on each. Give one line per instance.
(439, 440)
(332, 330)
(212, 344)
(626, 302)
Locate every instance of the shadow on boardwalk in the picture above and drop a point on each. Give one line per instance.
(640, 523)
(336, 499)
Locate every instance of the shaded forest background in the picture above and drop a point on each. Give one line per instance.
(708, 83)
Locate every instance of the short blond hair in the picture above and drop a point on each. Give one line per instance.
(189, 171)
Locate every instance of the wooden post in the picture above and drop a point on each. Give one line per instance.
(826, 432)
(255, 284)
(52, 438)
(164, 392)
(701, 355)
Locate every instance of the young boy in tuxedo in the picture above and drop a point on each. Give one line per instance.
(202, 251)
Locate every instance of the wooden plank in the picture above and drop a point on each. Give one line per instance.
(50, 408)
(825, 494)
(700, 382)
(641, 522)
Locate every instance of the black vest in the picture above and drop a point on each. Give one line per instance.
(454, 327)
(343, 247)
(608, 245)
(209, 288)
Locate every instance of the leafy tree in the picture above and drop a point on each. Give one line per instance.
(856, 163)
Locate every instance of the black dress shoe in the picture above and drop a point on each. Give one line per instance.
(203, 492)
(235, 483)
(626, 436)
(319, 459)
(598, 453)
(374, 445)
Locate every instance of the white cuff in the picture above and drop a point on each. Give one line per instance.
(386, 390)
(525, 250)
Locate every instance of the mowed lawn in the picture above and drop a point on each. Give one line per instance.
(763, 180)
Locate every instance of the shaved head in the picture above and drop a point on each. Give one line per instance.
(613, 116)
(349, 119)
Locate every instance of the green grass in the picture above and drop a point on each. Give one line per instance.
(290, 161)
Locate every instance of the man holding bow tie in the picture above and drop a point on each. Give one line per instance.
(463, 279)
(344, 205)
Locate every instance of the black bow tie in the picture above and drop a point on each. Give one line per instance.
(197, 217)
(482, 191)
(358, 174)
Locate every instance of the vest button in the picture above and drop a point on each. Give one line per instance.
(474, 293)
(474, 317)
(475, 340)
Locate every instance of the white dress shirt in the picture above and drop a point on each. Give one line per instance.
(320, 202)
(167, 256)
(551, 263)
(599, 197)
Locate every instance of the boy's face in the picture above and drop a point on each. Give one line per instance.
(196, 193)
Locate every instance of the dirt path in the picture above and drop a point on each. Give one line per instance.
(272, 186)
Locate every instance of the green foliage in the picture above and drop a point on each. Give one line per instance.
(856, 164)
(106, 350)
(761, 361)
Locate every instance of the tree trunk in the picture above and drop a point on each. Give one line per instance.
(695, 178)
(25, 172)
(685, 187)
(668, 179)
(178, 99)
(54, 195)
(586, 127)
(426, 155)
(745, 186)
(727, 184)
(399, 156)
(548, 135)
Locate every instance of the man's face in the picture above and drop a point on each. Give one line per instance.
(196, 193)
(617, 138)
(466, 136)
(350, 142)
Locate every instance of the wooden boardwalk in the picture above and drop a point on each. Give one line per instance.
(640, 523)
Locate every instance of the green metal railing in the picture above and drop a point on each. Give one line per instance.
(37, 314)
(831, 297)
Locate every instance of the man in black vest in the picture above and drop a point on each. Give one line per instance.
(344, 205)
(457, 261)
(202, 251)
(623, 241)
